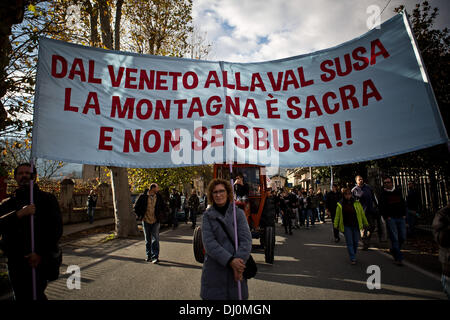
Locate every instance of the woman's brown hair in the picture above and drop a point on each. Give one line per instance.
(216, 182)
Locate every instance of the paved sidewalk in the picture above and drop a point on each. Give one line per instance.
(69, 229)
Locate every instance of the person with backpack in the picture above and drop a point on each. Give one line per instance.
(364, 193)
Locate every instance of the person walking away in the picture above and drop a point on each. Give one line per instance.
(183, 207)
(276, 202)
(224, 265)
(350, 219)
(301, 208)
(321, 205)
(315, 205)
(393, 208)
(174, 204)
(310, 210)
(91, 204)
(151, 209)
(333, 197)
(364, 193)
(441, 229)
(193, 204)
(293, 206)
(268, 218)
(413, 205)
(285, 213)
(15, 230)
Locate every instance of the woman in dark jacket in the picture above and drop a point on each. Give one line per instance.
(224, 266)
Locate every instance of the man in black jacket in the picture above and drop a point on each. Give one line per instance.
(393, 208)
(151, 209)
(174, 205)
(15, 228)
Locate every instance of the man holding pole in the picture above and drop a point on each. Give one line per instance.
(17, 229)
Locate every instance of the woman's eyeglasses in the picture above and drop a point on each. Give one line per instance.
(219, 191)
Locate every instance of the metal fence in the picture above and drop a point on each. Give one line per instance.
(432, 187)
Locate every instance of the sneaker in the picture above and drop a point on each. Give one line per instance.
(353, 262)
(155, 261)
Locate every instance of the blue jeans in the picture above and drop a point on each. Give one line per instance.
(309, 215)
(151, 233)
(397, 233)
(351, 238)
(445, 280)
(90, 212)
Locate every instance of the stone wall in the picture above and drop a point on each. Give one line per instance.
(73, 205)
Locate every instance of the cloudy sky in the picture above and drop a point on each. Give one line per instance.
(261, 30)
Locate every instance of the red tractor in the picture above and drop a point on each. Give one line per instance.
(260, 215)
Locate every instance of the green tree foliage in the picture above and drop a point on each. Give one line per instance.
(167, 178)
(159, 27)
(434, 46)
(19, 75)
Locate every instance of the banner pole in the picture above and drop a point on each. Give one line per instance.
(331, 180)
(235, 225)
(33, 270)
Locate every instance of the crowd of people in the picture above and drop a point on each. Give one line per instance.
(351, 211)
(356, 213)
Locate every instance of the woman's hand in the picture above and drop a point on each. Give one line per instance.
(238, 266)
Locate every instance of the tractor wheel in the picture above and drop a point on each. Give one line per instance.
(269, 241)
(199, 250)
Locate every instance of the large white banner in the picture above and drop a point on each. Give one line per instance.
(365, 99)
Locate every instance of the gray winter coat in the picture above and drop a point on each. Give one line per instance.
(217, 277)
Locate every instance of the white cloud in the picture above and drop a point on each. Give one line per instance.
(288, 27)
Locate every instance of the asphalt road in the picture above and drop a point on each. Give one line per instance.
(308, 266)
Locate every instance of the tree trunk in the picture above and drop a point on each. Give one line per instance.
(93, 18)
(105, 24)
(125, 219)
(119, 5)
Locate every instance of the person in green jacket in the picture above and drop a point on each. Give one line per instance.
(350, 219)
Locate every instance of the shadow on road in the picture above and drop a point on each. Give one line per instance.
(310, 258)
